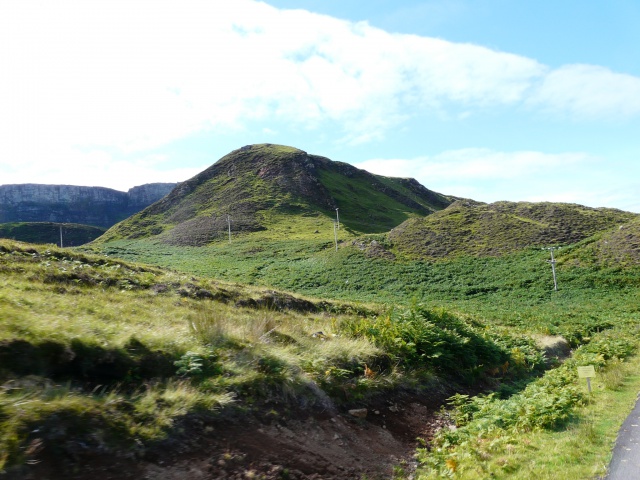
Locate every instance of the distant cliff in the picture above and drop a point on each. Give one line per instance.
(97, 206)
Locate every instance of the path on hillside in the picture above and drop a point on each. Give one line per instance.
(625, 464)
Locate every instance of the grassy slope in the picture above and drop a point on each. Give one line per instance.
(617, 247)
(596, 307)
(511, 293)
(48, 232)
(515, 290)
(365, 209)
(111, 354)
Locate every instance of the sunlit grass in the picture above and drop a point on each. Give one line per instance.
(580, 449)
(122, 353)
(175, 350)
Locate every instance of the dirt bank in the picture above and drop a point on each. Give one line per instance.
(272, 444)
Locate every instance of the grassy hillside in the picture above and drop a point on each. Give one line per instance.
(275, 188)
(49, 232)
(100, 357)
(472, 228)
(112, 355)
(616, 247)
(514, 290)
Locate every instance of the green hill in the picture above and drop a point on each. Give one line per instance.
(478, 229)
(73, 234)
(275, 188)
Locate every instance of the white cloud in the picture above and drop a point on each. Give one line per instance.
(489, 176)
(474, 164)
(132, 76)
(96, 168)
(588, 91)
(150, 72)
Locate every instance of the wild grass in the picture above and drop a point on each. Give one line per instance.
(115, 354)
(554, 428)
(37, 413)
(515, 290)
(212, 337)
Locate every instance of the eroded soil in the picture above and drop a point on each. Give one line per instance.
(320, 444)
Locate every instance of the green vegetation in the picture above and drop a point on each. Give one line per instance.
(515, 290)
(378, 209)
(494, 308)
(472, 228)
(117, 354)
(93, 344)
(505, 438)
(48, 232)
(507, 301)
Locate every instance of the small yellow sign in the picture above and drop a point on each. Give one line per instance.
(586, 372)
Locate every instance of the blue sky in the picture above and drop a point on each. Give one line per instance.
(486, 99)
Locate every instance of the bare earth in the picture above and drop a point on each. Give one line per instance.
(319, 444)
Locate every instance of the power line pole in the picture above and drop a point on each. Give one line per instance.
(335, 234)
(60, 236)
(337, 219)
(553, 266)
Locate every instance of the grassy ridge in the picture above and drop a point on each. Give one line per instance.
(472, 228)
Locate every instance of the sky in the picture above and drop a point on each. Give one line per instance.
(484, 99)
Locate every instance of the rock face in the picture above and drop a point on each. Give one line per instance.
(97, 206)
(142, 196)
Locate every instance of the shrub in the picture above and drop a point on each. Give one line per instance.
(433, 338)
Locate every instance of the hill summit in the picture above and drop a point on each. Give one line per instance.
(258, 187)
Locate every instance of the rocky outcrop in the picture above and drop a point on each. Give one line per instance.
(97, 206)
(142, 196)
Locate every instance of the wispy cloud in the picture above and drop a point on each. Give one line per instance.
(475, 164)
(588, 92)
(81, 76)
(490, 176)
(153, 72)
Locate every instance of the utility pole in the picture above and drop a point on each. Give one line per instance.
(335, 234)
(60, 236)
(229, 224)
(337, 219)
(553, 266)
